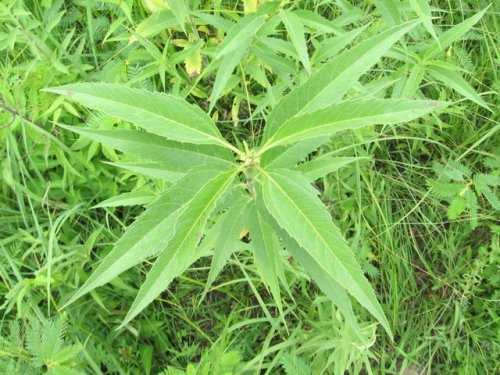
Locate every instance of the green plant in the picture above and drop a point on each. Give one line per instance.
(261, 189)
(39, 349)
(463, 189)
(420, 60)
(62, 209)
(295, 365)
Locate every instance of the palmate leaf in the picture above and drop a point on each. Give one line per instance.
(179, 136)
(350, 115)
(180, 251)
(295, 206)
(158, 113)
(328, 85)
(151, 232)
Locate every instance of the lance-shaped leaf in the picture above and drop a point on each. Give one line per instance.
(294, 204)
(152, 147)
(133, 198)
(423, 10)
(232, 50)
(266, 249)
(328, 85)
(412, 82)
(390, 11)
(240, 34)
(350, 115)
(224, 238)
(158, 113)
(451, 35)
(289, 156)
(151, 232)
(180, 251)
(331, 47)
(456, 82)
(179, 10)
(322, 278)
(324, 165)
(154, 24)
(295, 29)
(218, 22)
(317, 22)
(227, 66)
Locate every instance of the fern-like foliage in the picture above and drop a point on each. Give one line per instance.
(100, 27)
(486, 184)
(214, 362)
(463, 59)
(41, 350)
(295, 365)
(172, 371)
(464, 190)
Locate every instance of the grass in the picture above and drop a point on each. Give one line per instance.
(436, 277)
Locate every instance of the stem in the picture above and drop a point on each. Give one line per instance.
(14, 113)
(267, 146)
(231, 147)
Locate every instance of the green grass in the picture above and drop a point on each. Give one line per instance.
(435, 276)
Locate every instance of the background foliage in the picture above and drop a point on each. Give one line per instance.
(421, 211)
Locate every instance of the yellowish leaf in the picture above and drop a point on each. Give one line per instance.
(235, 111)
(244, 235)
(180, 43)
(155, 5)
(193, 63)
(250, 6)
(204, 29)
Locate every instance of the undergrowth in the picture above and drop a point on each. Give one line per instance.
(418, 207)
